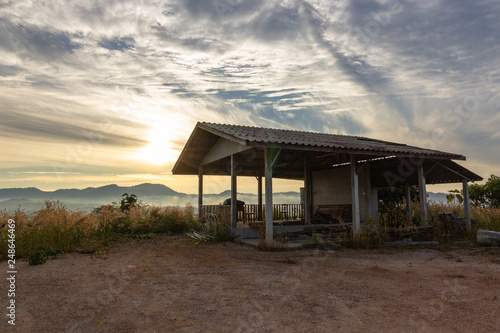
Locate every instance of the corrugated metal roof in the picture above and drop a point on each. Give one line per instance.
(249, 135)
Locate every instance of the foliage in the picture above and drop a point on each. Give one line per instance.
(455, 195)
(127, 202)
(487, 195)
(396, 221)
(392, 205)
(390, 196)
(371, 234)
(36, 258)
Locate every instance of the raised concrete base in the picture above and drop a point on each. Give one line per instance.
(276, 244)
(245, 233)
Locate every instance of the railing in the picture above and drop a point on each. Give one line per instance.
(250, 213)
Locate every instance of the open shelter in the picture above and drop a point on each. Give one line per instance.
(339, 171)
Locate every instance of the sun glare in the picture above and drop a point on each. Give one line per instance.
(159, 150)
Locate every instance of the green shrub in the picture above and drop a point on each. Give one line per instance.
(36, 258)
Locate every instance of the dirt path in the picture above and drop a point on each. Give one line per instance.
(169, 284)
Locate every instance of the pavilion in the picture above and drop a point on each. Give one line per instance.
(336, 169)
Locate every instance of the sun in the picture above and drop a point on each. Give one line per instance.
(159, 150)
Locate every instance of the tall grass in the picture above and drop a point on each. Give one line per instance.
(482, 218)
(392, 223)
(55, 229)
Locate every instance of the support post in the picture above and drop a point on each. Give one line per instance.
(269, 197)
(423, 194)
(234, 206)
(200, 191)
(408, 201)
(307, 193)
(468, 224)
(259, 195)
(355, 196)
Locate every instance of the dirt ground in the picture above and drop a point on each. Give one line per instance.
(169, 284)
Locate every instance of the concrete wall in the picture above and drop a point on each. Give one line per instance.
(333, 187)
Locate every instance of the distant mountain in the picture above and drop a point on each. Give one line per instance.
(17, 193)
(32, 199)
(108, 191)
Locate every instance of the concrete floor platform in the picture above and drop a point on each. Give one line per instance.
(254, 242)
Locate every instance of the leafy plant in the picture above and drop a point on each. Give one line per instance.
(127, 202)
(487, 195)
(455, 195)
(36, 258)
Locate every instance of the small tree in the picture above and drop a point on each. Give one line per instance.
(127, 201)
(492, 189)
(487, 194)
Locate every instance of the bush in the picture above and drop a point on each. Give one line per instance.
(36, 258)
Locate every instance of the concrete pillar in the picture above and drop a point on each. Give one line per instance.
(259, 197)
(468, 223)
(234, 207)
(423, 194)
(374, 203)
(269, 197)
(355, 196)
(408, 201)
(307, 193)
(200, 191)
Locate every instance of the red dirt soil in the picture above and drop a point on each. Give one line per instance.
(169, 284)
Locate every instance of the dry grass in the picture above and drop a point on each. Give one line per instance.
(55, 229)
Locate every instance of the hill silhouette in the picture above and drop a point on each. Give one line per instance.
(32, 199)
(106, 191)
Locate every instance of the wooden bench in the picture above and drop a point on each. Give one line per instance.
(327, 214)
(451, 222)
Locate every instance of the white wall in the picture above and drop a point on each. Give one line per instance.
(333, 187)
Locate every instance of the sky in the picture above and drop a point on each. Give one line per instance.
(101, 92)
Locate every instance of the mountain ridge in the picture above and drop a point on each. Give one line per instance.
(32, 198)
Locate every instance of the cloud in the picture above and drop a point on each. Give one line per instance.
(31, 41)
(117, 43)
(6, 70)
(394, 70)
(38, 128)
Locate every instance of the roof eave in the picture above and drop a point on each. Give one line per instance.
(183, 152)
(222, 134)
(444, 155)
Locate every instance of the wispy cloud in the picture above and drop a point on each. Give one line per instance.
(422, 72)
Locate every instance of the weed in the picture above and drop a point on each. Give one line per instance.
(36, 258)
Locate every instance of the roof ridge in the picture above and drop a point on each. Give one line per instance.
(293, 130)
(360, 138)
